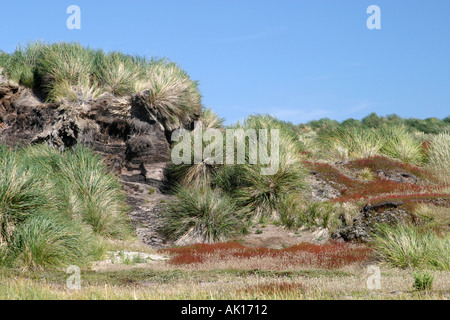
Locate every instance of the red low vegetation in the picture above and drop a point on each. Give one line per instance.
(330, 255)
(354, 189)
(389, 165)
(415, 198)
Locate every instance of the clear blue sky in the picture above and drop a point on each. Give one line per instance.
(296, 59)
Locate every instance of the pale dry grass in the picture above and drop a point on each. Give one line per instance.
(394, 285)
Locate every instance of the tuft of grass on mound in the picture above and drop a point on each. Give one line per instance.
(262, 195)
(4, 57)
(400, 144)
(349, 142)
(71, 72)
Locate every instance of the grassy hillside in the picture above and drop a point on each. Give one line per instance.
(62, 208)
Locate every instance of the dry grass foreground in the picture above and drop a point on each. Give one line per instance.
(230, 271)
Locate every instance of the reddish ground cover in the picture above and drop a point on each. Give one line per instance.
(330, 255)
(378, 189)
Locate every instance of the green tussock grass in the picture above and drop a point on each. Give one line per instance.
(55, 207)
(405, 246)
(356, 142)
(196, 175)
(439, 156)
(205, 215)
(257, 194)
(261, 194)
(400, 144)
(71, 72)
(349, 142)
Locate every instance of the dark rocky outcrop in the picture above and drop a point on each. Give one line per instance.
(132, 138)
(399, 177)
(389, 212)
(133, 141)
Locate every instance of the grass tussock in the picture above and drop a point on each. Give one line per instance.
(198, 174)
(405, 246)
(69, 71)
(262, 194)
(250, 192)
(203, 215)
(439, 156)
(56, 207)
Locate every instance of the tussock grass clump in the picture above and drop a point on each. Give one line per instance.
(65, 69)
(399, 144)
(119, 73)
(262, 195)
(201, 174)
(84, 188)
(172, 95)
(349, 142)
(4, 57)
(56, 207)
(69, 71)
(296, 213)
(404, 246)
(98, 193)
(22, 63)
(204, 215)
(366, 174)
(259, 194)
(423, 281)
(439, 156)
(21, 195)
(46, 242)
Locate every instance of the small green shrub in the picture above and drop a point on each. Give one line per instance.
(423, 281)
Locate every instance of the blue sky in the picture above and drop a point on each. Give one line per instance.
(299, 60)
